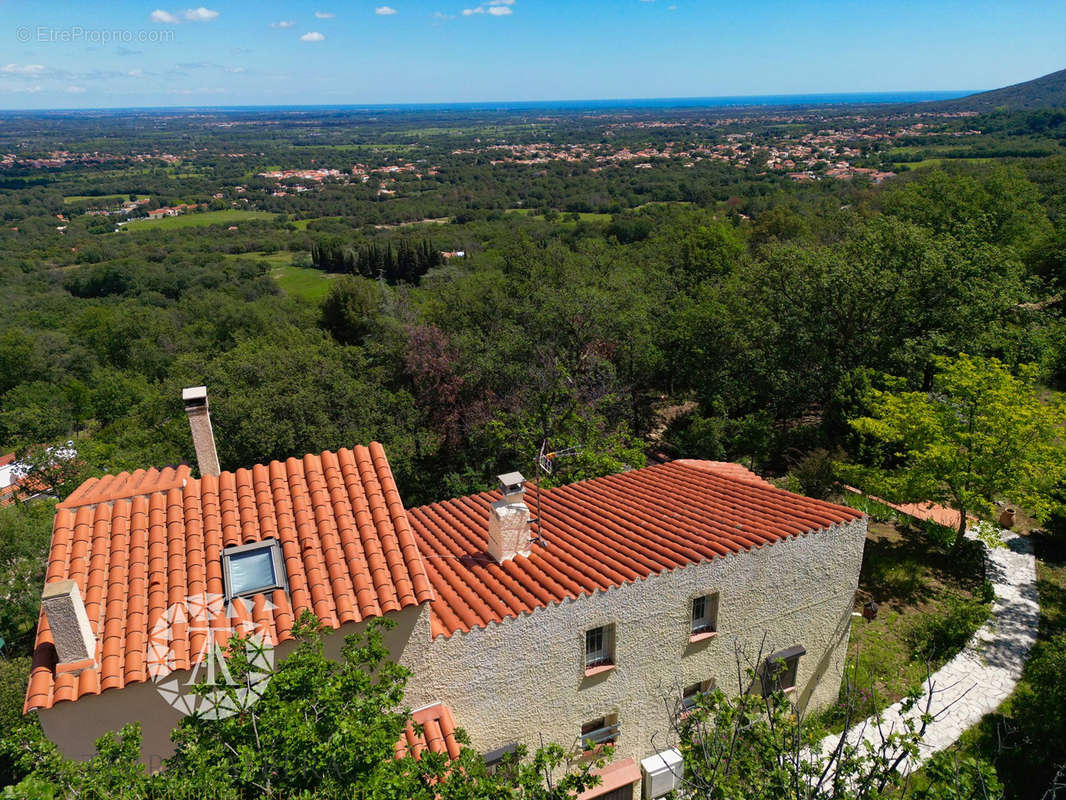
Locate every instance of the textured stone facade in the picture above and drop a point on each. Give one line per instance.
(524, 679)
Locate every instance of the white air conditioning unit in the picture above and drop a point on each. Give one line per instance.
(662, 773)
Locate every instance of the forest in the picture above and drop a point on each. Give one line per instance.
(701, 305)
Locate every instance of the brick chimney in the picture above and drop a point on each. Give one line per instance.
(509, 529)
(73, 635)
(203, 438)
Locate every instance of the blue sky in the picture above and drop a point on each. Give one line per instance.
(118, 54)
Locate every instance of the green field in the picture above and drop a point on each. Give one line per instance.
(231, 216)
(301, 224)
(653, 203)
(935, 162)
(99, 198)
(303, 282)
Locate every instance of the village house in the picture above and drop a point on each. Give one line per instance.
(583, 614)
(10, 477)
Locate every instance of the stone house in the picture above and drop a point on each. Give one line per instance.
(582, 614)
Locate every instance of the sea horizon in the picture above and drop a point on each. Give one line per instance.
(716, 102)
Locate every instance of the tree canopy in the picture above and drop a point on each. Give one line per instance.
(980, 434)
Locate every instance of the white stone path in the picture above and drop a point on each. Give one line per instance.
(980, 677)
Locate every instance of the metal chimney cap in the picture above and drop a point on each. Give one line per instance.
(194, 394)
(511, 482)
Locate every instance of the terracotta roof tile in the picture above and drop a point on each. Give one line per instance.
(603, 533)
(138, 542)
(942, 515)
(437, 735)
(127, 484)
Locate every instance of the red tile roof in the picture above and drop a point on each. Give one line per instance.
(137, 543)
(727, 469)
(942, 515)
(603, 533)
(612, 778)
(9, 494)
(127, 484)
(437, 736)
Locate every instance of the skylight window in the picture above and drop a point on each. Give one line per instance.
(253, 568)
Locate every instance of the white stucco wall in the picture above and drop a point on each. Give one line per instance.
(524, 680)
(75, 726)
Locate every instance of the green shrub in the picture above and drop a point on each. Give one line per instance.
(955, 777)
(31, 788)
(988, 592)
(816, 474)
(856, 699)
(874, 509)
(939, 535)
(696, 436)
(934, 635)
(25, 530)
(17, 729)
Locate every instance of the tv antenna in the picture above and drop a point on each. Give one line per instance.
(546, 463)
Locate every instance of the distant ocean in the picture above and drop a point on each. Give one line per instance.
(726, 101)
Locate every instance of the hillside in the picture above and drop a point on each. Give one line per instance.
(1045, 92)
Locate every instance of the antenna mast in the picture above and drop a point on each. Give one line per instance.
(546, 464)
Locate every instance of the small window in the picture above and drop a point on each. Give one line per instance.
(500, 757)
(691, 695)
(705, 613)
(599, 647)
(252, 568)
(779, 671)
(603, 730)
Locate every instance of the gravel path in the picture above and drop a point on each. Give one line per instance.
(980, 677)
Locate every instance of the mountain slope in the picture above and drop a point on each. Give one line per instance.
(1045, 92)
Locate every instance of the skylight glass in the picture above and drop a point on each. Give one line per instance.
(251, 569)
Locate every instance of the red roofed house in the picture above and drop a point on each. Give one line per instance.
(9, 478)
(630, 589)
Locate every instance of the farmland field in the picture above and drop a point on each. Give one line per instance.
(232, 216)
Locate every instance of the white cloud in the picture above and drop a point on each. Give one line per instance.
(285, 23)
(440, 16)
(136, 73)
(200, 14)
(235, 70)
(28, 70)
(313, 36)
(497, 8)
(325, 14)
(385, 11)
(75, 89)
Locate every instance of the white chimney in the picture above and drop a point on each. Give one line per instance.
(203, 437)
(71, 631)
(509, 529)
